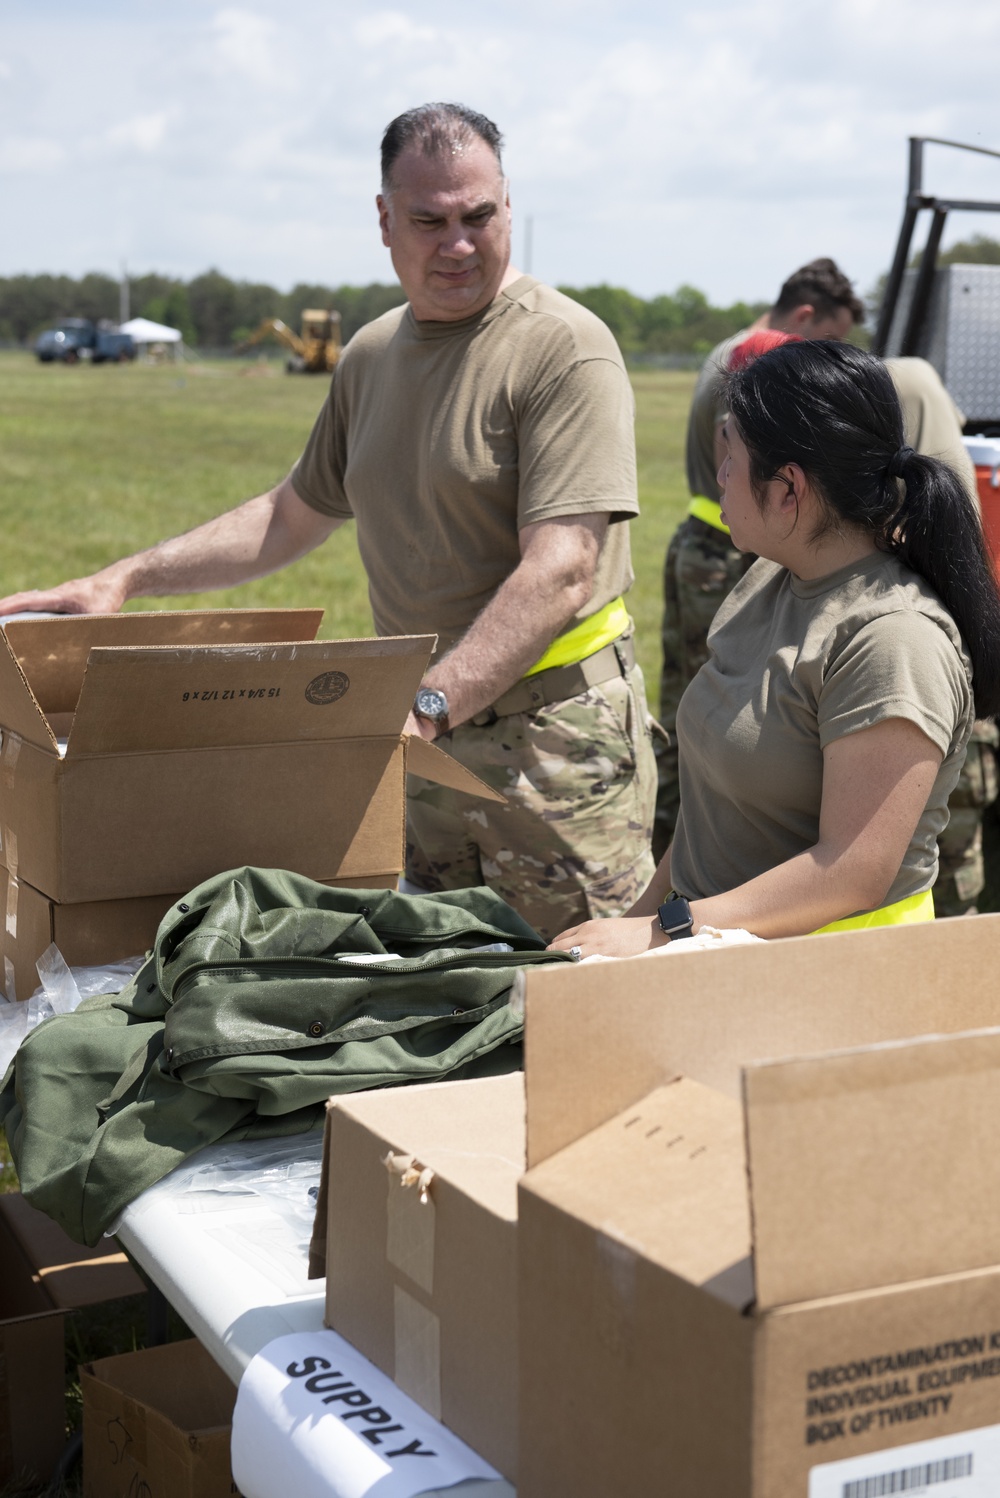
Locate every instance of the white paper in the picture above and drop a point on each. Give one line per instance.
(966, 1465)
(315, 1418)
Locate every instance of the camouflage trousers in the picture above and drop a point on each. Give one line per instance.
(961, 870)
(701, 568)
(573, 840)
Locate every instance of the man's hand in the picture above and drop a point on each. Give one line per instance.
(255, 539)
(627, 936)
(83, 595)
(423, 728)
(553, 580)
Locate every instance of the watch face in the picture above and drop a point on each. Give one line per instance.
(431, 704)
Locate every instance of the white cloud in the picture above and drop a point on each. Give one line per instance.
(245, 44)
(143, 132)
(30, 154)
(714, 142)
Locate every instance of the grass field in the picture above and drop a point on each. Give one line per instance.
(96, 462)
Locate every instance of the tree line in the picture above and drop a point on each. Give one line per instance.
(213, 311)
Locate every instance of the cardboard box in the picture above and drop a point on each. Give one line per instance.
(88, 934)
(70, 1275)
(32, 1372)
(197, 742)
(788, 1293)
(422, 1271)
(157, 1423)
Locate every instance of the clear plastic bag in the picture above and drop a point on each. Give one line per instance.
(61, 989)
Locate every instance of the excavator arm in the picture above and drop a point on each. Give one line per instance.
(273, 327)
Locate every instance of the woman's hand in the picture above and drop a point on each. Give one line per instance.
(625, 937)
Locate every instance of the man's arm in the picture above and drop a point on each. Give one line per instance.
(256, 538)
(552, 581)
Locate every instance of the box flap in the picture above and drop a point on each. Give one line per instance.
(706, 1014)
(72, 1276)
(470, 1133)
(19, 710)
(873, 1167)
(180, 697)
(666, 1178)
(427, 760)
(53, 653)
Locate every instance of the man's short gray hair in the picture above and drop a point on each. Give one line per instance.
(438, 130)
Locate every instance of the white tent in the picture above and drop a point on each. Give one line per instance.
(144, 331)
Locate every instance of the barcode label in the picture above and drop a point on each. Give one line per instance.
(910, 1479)
(963, 1465)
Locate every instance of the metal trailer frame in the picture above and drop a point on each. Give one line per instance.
(916, 201)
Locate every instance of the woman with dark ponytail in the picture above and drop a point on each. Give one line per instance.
(821, 740)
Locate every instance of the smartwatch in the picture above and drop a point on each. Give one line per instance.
(431, 704)
(676, 919)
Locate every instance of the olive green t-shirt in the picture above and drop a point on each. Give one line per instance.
(707, 408)
(795, 665)
(443, 439)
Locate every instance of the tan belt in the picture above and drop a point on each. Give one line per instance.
(561, 682)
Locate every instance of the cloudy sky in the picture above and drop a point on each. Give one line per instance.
(700, 141)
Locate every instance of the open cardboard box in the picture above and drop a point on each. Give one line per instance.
(157, 1422)
(201, 741)
(765, 1278)
(421, 1254)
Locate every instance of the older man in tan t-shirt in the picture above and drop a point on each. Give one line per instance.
(482, 439)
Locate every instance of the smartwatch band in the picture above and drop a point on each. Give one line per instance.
(675, 917)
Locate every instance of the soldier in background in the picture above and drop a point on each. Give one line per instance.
(702, 565)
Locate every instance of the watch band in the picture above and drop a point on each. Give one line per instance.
(675, 917)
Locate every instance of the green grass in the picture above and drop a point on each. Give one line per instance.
(99, 462)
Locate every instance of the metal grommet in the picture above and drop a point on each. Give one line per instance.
(458, 1011)
(170, 1055)
(364, 910)
(184, 908)
(316, 1028)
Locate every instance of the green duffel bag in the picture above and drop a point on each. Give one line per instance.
(264, 994)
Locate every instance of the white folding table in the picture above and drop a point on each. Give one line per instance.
(233, 1262)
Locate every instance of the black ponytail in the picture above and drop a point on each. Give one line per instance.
(833, 409)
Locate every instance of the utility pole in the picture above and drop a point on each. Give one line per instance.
(123, 296)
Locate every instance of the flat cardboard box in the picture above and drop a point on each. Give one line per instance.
(88, 934)
(422, 1271)
(32, 1372)
(70, 1275)
(157, 1422)
(765, 1278)
(202, 741)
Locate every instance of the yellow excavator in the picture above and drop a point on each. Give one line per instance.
(315, 351)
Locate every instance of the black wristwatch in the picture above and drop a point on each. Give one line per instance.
(432, 704)
(676, 919)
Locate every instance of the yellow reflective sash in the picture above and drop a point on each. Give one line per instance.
(903, 913)
(585, 638)
(710, 511)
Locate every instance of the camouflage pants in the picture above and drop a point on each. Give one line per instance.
(572, 841)
(961, 871)
(701, 568)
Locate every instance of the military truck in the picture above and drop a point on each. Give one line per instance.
(77, 338)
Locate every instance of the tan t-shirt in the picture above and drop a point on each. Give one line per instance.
(443, 439)
(931, 420)
(707, 407)
(795, 665)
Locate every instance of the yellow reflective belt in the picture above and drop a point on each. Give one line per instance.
(710, 511)
(586, 637)
(903, 913)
